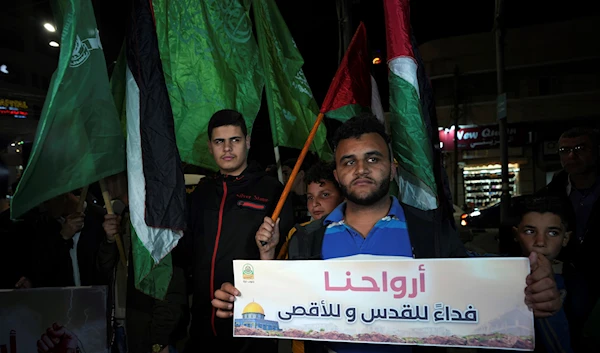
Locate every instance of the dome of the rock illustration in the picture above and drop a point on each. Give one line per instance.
(253, 308)
(253, 317)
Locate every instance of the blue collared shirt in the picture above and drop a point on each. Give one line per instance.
(389, 237)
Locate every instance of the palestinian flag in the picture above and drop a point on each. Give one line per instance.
(411, 143)
(157, 195)
(353, 90)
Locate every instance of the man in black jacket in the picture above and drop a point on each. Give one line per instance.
(67, 243)
(579, 151)
(372, 223)
(226, 211)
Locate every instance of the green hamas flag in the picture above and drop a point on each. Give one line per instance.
(210, 62)
(79, 139)
(292, 108)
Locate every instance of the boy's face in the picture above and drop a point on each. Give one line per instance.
(229, 147)
(543, 233)
(322, 198)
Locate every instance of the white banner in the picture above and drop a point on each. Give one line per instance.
(439, 302)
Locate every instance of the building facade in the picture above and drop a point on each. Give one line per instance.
(551, 82)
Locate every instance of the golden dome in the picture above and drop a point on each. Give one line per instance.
(253, 308)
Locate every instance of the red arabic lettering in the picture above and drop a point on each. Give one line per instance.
(397, 284)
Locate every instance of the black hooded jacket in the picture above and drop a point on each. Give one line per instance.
(225, 213)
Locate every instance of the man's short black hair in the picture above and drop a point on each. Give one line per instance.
(320, 172)
(226, 117)
(545, 203)
(357, 126)
(309, 160)
(593, 134)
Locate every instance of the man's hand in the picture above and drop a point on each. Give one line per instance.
(57, 339)
(111, 225)
(23, 282)
(73, 224)
(268, 233)
(224, 299)
(541, 294)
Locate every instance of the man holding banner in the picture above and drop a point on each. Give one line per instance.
(372, 223)
(226, 210)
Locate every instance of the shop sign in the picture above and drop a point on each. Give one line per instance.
(13, 107)
(482, 137)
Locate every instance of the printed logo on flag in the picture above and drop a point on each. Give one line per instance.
(83, 48)
(248, 272)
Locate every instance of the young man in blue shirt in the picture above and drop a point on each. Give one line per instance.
(372, 223)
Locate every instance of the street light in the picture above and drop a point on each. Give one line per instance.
(54, 44)
(49, 27)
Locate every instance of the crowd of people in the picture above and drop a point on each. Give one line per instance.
(336, 210)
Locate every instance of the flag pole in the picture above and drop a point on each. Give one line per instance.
(82, 197)
(278, 164)
(109, 210)
(296, 170)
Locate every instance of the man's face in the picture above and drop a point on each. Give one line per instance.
(363, 169)
(322, 198)
(229, 147)
(287, 172)
(543, 233)
(577, 154)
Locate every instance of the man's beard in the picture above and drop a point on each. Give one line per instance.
(372, 198)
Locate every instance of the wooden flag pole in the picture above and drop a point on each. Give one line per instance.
(109, 210)
(82, 198)
(296, 170)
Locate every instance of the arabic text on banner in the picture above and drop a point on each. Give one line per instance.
(439, 302)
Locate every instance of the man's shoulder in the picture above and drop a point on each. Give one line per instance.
(269, 180)
(557, 184)
(206, 183)
(265, 186)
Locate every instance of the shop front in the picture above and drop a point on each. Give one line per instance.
(478, 181)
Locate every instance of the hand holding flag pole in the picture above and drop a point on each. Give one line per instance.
(296, 170)
(109, 209)
(351, 73)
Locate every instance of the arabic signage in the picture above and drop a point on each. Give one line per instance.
(482, 137)
(433, 302)
(15, 108)
(73, 318)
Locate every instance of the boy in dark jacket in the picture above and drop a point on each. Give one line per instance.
(226, 211)
(543, 228)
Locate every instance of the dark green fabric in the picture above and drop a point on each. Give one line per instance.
(79, 139)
